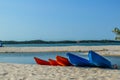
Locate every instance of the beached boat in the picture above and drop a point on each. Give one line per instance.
(62, 61)
(77, 60)
(53, 62)
(41, 61)
(98, 60)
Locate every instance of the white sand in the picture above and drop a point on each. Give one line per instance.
(104, 50)
(38, 72)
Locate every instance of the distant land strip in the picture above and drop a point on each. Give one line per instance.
(56, 42)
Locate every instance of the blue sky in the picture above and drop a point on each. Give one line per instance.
(58, 19)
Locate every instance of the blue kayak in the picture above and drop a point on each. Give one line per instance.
(77, 60)
(98, 60)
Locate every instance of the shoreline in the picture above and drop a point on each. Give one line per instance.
(103, 50)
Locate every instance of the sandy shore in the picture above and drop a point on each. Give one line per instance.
(103, 50)
(38, 72)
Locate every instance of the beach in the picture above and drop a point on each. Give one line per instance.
(59, 32)
(10, 71)
(40, 72)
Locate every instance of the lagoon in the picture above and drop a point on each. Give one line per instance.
(28, 58)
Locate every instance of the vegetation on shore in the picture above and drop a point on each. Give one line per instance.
(56, 42)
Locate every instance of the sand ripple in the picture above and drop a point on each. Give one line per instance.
(38, 72)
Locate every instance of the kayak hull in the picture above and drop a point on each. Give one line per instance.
(53, 62)
(41, 61)
(62, 61)
(77, 60)
(98, 60)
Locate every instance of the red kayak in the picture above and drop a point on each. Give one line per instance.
(53, 62)
(41, 62)
(62, 61)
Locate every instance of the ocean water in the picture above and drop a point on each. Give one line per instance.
(28, 58)
(53, 45)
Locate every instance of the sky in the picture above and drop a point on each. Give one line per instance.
(58, 19)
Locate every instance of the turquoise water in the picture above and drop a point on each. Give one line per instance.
(27, 58)
(50, 45)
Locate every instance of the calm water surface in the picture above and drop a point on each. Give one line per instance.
(27, 58)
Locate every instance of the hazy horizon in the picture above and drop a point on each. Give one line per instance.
(56, 20)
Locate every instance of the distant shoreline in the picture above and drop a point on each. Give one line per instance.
(103, 50)
(56, 42)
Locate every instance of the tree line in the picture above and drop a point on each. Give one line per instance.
(56, 42)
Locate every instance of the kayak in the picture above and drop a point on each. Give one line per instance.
(98, 60)
(62, 61)
(41, 61)
(53, 62)
(77, 60)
